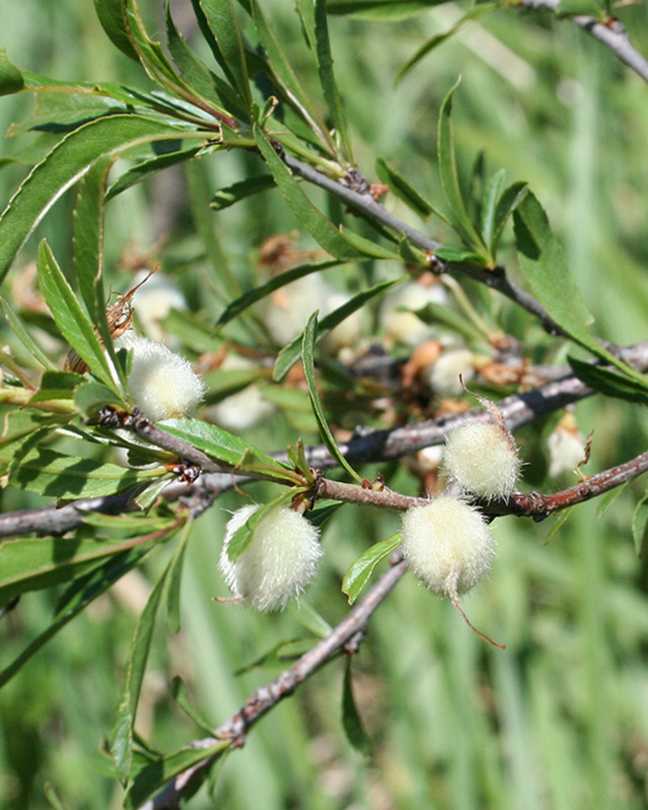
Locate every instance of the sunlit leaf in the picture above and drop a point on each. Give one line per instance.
(358, 574)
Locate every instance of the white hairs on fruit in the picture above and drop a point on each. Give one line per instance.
(482, 458)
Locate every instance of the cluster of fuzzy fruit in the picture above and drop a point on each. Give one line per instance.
(448, 544)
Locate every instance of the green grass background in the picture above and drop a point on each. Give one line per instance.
(559, 721)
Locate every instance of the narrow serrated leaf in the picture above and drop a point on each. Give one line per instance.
(74, 324)
(610, 382)
(640, 525)
(63, 166)
(221, 28)
(291, 353)
(19, 329)
(152, 777)
(405, 191)
(509, 200)
(308, 360)
(264, 290)
(438, 39)
(327, 78)
(320, 228)
(112, 17)
(450, 178)
(225, 197)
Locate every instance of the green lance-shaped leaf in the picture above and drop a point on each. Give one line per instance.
(351, 720)
(640, 525)
(358, 574)
(57, 385)
(227, 448)
(196, 75)
(76, 598)
(308, 359)
(225, 197)
(450, 178)
(406, 192)
(154, 776)
(11, 79)
(264, 290)
(180, 694)
(68, 315)
(610, 382)
(492, 194)
(112, 17)
(122, 738)
(327, 78)
(291, 353)
(31, 564)
(286, 77)
(543, 266)
(69, 160)
(320, 228)
(88, 232)
(147, 168)
(506, 204)
(23, 335)
(221, 29)
(175, 578)
(381, 10)
(56, 475)
(438, 39)
(580, 8)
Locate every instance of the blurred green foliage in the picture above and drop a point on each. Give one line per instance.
(556, 721)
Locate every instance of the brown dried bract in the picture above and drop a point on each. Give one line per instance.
(120, 319)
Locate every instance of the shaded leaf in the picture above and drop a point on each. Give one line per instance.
(149, 167)
(154, 776)
(358, 574)
(57, 385)
(15, 322)
(122, 737)
(112, 17)
(406, 192)
(381, 10)
(320, 228)
(221, 29)
(366, 247)
(351, 720)
(225, 197)
(432, 43)
(580, 8)
(543, 265)
(509, 200)
(56, 475)
(258, 293)
(281, 652)
(308, 359)
(640, 525)
(63, 166)
(11, 79)
(90, 396)
(175, 578)
(309, 618)
(327, 78)
(30, 564)
(610, 382)
(76, 598)
(180, 694)
(291, 353)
